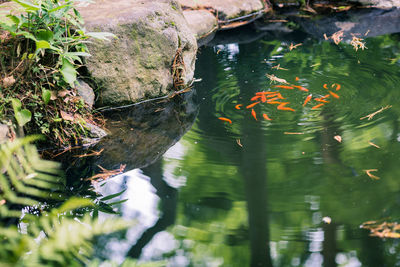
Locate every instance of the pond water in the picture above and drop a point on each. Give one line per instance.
(262, 192)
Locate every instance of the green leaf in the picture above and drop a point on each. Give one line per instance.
(23, 117)
(58, 8)
(29, 6)
(16, 104)
(44, 35)
(68, 72)
(46, 95)
(74, 203)
(42, 44)
(112, 196)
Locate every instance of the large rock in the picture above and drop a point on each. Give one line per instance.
(201, 22)
(138, 63)
(227, 9)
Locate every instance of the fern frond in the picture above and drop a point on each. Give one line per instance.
(25, 177)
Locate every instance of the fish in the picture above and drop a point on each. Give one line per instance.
(325, 86)
(297, 78)
(225, 119)
(326, 96)
(317, 106)
(282, 106)
(337, 86)
(252, 105)
(254, 98)
(253, 113)
(274, 102)
(301, 88)
(321, 100)
(266, 117)
(238, 106)
(273, 99)
(308, 98)
(263, 98)
(266, 93)
(333, 94)
(284, 86)
(278, 95)
(368, 172)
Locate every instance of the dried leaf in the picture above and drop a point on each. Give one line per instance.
(8, 81)
(66, 116)
(327, 220)
(368, 172)
(338, 138)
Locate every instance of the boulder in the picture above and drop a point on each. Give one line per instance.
(379, 3)
(201, 22)
(137, 63)
(227, 9)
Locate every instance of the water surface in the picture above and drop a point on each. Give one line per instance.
(212, 202)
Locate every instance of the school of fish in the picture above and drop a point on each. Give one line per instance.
(276, 98)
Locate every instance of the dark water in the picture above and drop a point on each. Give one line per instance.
(210, 202)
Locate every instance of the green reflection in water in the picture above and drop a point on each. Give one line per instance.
(262, 204)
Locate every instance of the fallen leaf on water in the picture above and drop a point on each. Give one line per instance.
(338, 138)
(105, 174)
(278, 67)
(368, 172)
(238, 142)
(291, 47)
(372, 144)
(327, 220)
(337, 37)
(292, 133)
(94, 153)
(273, 78)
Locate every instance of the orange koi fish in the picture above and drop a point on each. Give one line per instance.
(225, 119)
(308, 98)
(265, 93)
(325, 86)
(252, 105)
(297, 78)
(274, 102)
(284, 86)
(301, 88)
(317, 106)
(278, 95)
(282, 106)
(273, 99)
(326, 96)
(254, 98)
(253, 113)
(266, 117)
(321, 100)
(333, 94)
(337, 86)
(263, 98)
(238, 106)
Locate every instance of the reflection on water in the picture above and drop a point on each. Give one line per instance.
(211, 202)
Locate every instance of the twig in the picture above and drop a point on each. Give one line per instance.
(370, 116)
(94, 153)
